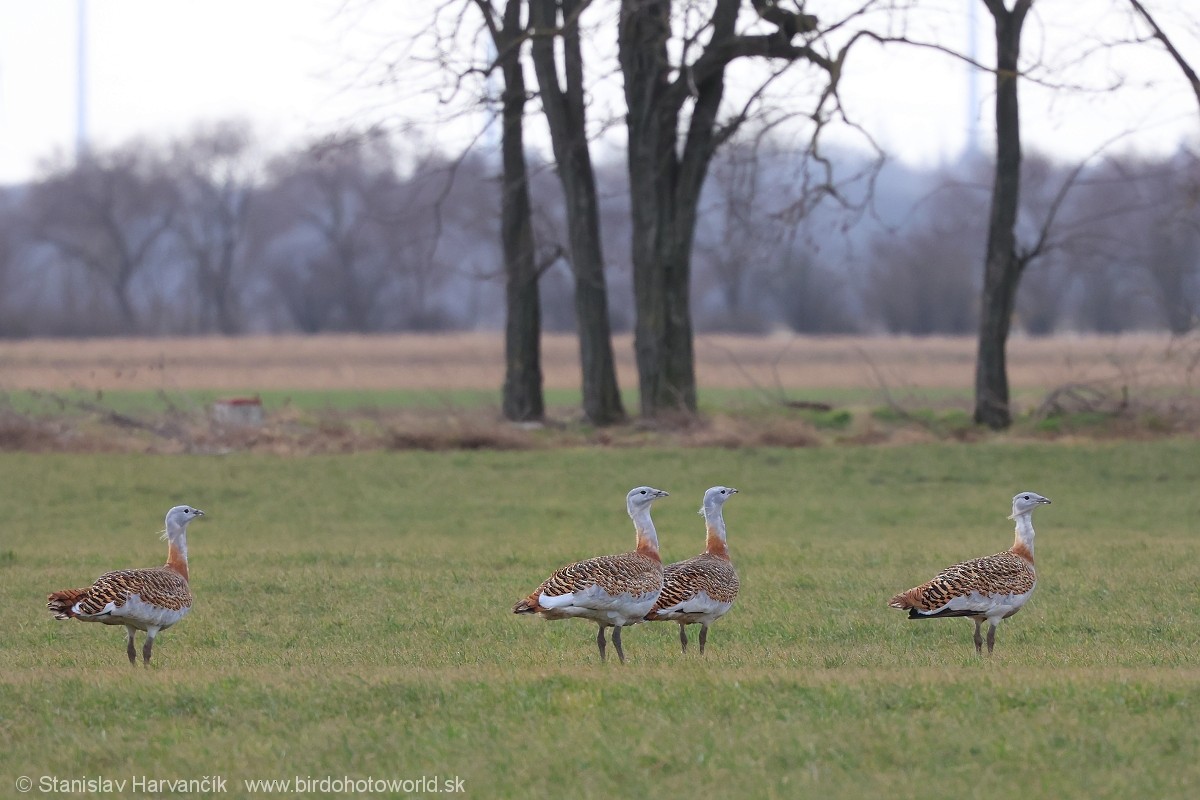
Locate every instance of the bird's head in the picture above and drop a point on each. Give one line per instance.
(179, 516)
(641, 498)
(716, 497)
(1026, 502)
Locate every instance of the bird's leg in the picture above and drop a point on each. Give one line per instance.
(617, 642)
(148, 646)
(991, 637)
(703, 636)
(683, 637)
(130, 650)
(978, 638)
(600, 642)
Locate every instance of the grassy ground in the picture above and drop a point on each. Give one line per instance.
(352, 618)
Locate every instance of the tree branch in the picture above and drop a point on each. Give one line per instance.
(1180, 61)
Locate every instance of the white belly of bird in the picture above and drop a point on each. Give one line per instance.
(699, 608)
(991, 606)
(598, 605)
(137, 613)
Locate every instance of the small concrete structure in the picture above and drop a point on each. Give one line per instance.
(238, 412)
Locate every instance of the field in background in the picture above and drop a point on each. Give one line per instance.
(353, 618)
(475, 361)
(351, 393)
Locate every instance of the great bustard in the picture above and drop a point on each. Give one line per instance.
(149, 600)
(612, 591)
(991, 588)
(701, 589)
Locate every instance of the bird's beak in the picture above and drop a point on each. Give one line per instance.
(733, 491)
(199, 513)
(661, 493)
(1045, 500)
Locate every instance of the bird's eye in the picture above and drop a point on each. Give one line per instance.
(1026, 497)
(722, 491)
(643, 491)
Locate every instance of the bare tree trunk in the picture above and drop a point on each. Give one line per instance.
(566, 115)
(214, 262)
(665, 185)
(523, 399)
(667, 173)
(1003, 266)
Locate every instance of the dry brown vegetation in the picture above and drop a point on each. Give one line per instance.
(475, 361)
(1135, 385)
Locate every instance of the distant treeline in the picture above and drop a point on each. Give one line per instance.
(207, 235)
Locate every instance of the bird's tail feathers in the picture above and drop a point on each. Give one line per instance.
(527, 606)
(61, 603)
(904, 600)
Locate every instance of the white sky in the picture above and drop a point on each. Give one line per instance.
(158, 67)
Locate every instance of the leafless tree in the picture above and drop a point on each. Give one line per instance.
(107, 213)
(1002, 264)
(215, 172)
(919, 277)
(744, 244)
(334, 267)
(1185, 67)
(510, 28)
(555, 24)
(1172, 262)
(754, 267)
(674, 63)
(810, 297)
(522, 398)
(1153, 251)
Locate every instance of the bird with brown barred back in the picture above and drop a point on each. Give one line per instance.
(149, 600)
(612, 591)
(701, 589)
(989, 589)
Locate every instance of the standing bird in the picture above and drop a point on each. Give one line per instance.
(992, 588)
(612, 591)
(149, 600)
(702, 589)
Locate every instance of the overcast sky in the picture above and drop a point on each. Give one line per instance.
(292, 67)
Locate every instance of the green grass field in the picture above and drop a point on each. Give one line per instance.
(353, 619)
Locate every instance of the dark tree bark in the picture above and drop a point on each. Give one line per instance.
(1003, 265)
(661, 250)
(523, 400)
(565, 110)
(666, 176)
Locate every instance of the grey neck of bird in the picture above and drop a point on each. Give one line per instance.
(177, 541)
(646, 535)
(714, 520)
(1024, 532)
